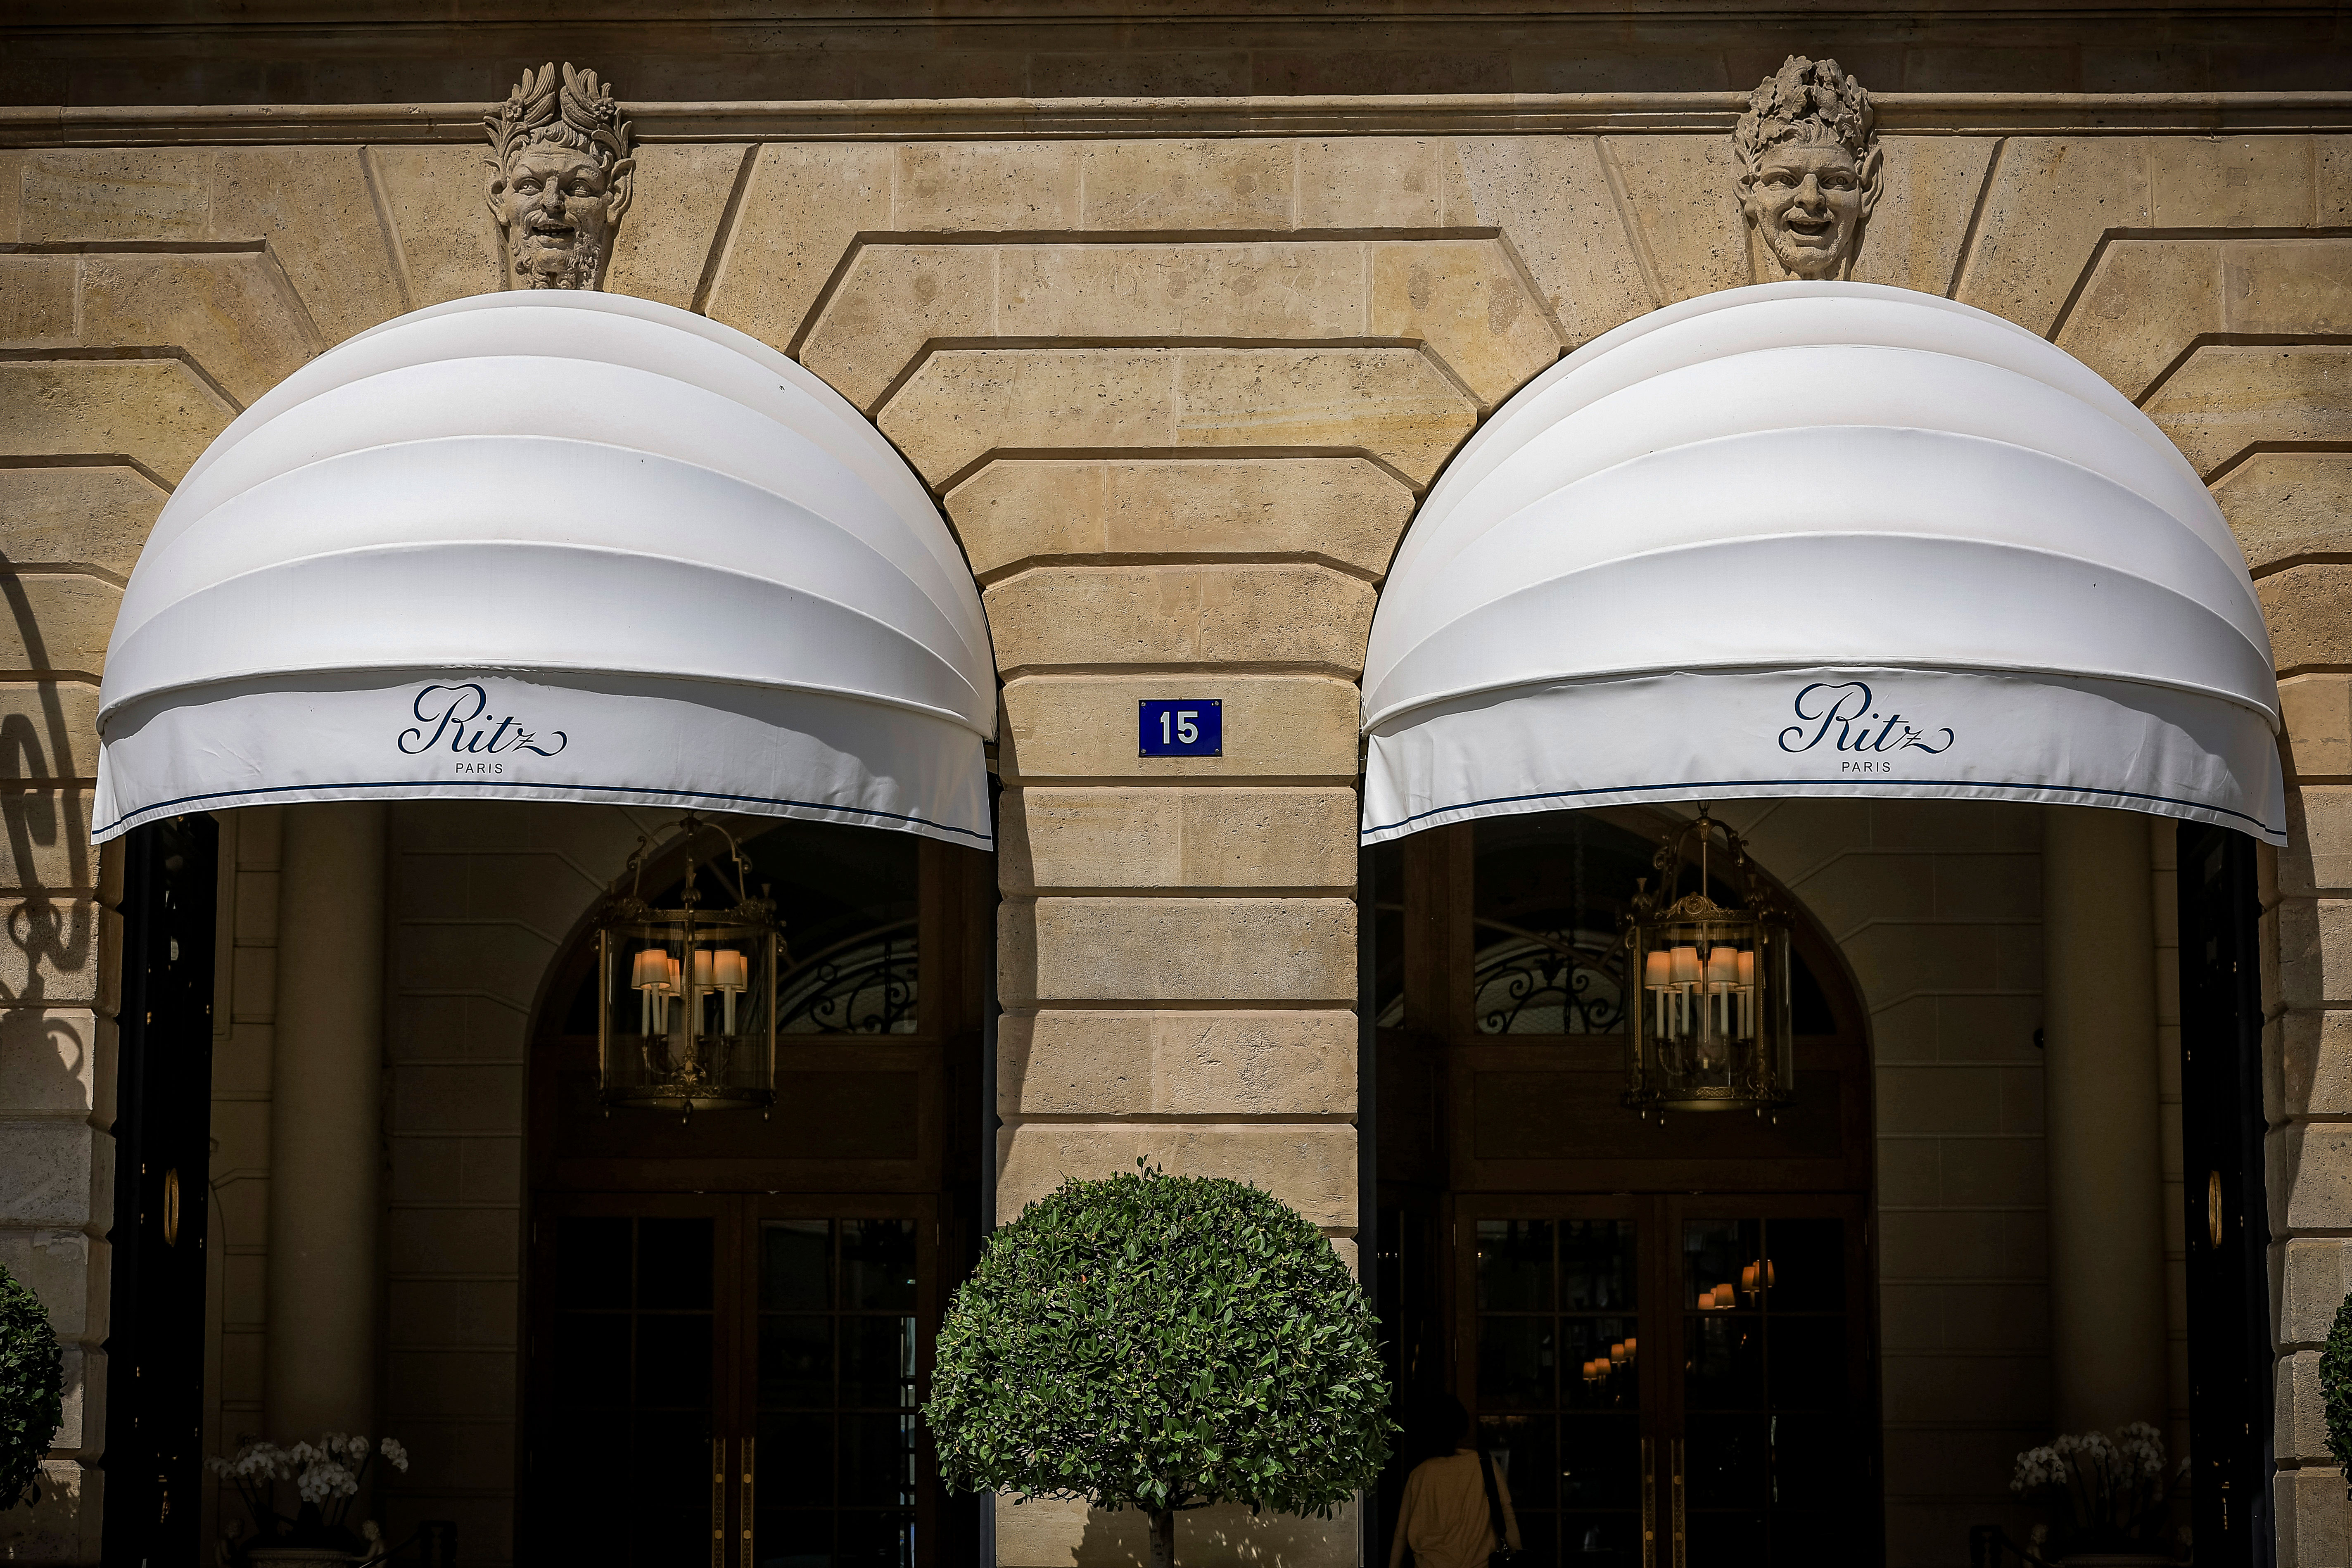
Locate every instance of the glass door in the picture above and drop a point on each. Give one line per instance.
(838, 1481)
(1773, 1414)
(1674, 1382)
(729, 1382)
(1563, 1372)
(629, 1385)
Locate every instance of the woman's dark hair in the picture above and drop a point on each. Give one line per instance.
(1435, 1424)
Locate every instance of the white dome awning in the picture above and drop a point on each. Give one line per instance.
(1820, 538)
(552, 546)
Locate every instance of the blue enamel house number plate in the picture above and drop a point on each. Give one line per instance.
(1187, 727)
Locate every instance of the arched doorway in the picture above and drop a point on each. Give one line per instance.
(1530, 1226)
(730, 1316)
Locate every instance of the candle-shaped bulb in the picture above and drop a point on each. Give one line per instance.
(1722, 966)
(1657, 971)
(1686, 966)
(650, 970)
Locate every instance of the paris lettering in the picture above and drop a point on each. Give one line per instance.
(456, 719)
(1841, 714)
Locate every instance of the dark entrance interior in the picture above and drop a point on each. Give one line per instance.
(1665, 1332)
(730, 1316)
(162, 1133)
(2226, 1225)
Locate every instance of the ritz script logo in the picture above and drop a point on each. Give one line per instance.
(1844, 715)
(457, 718)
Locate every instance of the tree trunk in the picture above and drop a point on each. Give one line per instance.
(1163, 1539)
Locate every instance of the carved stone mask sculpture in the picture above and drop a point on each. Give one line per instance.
(560, 172)
(1809, 168)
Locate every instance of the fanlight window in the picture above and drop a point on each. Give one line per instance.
(1548, 924)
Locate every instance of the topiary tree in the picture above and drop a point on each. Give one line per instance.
(2335, 1388)
(32, 1389)
(1161, 1343)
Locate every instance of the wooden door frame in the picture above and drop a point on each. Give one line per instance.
(955, 897)
(735, 1329)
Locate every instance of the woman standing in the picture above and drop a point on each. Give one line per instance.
(1447, 1517)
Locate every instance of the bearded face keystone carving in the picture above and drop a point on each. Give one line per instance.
(1810, 167)
(560, 175)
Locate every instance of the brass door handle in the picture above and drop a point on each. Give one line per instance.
(743, 1500)
(719, 1502)
(1649, 1507)
(1680, 1561)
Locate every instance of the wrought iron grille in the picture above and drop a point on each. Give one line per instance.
(1548, 983)
(864, 985)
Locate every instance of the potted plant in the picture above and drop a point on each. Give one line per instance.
(32, 1391)
(2336, 1389)
(2110, 1489)
(326, 1476)
(1161, 1343)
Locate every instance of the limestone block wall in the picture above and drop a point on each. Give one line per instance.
(1178, 396)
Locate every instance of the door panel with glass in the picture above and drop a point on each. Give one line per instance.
(730, 1381)
(1674, 1382)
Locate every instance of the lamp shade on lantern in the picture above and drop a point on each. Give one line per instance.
(1714, 1028)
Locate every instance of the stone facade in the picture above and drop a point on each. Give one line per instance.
(1178, 376)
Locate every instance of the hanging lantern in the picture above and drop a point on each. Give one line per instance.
(1712, 1028)
(688, 1016)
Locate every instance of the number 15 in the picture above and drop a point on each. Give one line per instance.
(1186, 732)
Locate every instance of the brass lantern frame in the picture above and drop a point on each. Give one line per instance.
(1710, 1026)
(706, 1038)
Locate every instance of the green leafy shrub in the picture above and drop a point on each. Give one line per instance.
(1161, 1343)
(32, 1389)
(2335, 1387)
